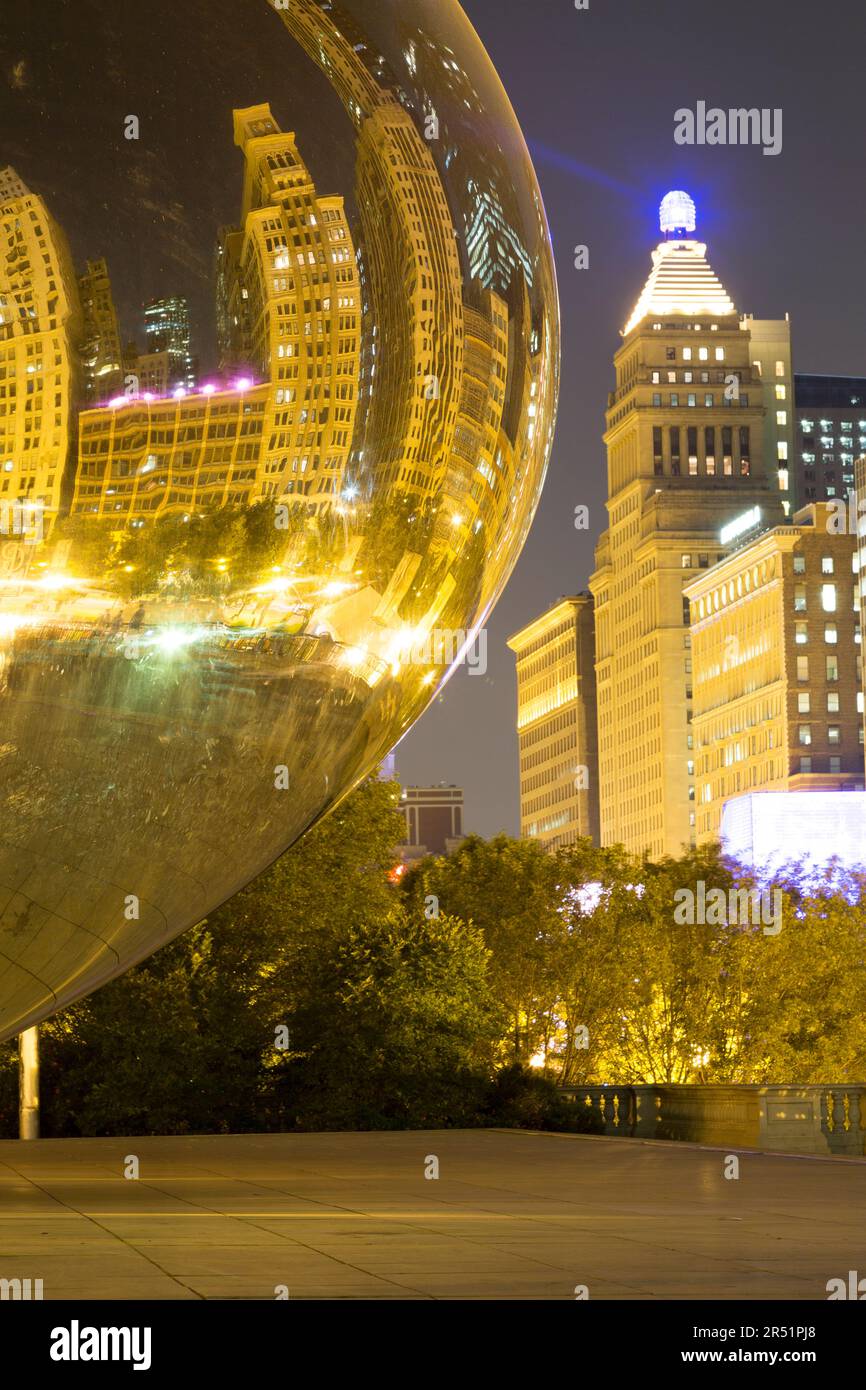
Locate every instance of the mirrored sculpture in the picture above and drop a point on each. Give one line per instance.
(229, 586)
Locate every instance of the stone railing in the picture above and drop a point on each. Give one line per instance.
(791, 1119)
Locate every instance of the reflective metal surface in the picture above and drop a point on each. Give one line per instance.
(223, 600)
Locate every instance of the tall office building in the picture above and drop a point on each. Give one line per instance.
(831, 434)
(166, 329)
(288, 305)
(40, 341)
(556, 724)
(685, 445)
(776, 659)
(771, 361)
(101, 351)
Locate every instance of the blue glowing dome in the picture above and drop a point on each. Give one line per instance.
(677, 213)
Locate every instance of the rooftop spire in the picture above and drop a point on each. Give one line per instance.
(681, 281)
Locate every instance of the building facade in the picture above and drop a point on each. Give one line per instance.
(40, 344)
(777, 671)
(686, 453)
(556, 724)
(831, 434)
(434, 820)
(101, 352)
(288, 305)
(141, 458)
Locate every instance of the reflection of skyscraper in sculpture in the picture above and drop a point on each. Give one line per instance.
(411, 265)
(166, 329)
(40, 326)
(288, 306)
(100, 350)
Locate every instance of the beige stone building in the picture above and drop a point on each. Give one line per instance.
(289, 309)
(556, 724)
(776, 667)
(40, 340)
(685, 447)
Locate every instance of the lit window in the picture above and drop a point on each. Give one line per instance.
(803, 703)
(781, 417)
(687, 354)
(799, 564)
(832, 702)
(834, 733)
(805, 735)
(832, 667)
(801, 634)
(781, 393)
(826, 564)
(780, 369)
(828, 598)
(831, 634)
(720, 354)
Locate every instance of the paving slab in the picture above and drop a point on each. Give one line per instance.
(513, 1215)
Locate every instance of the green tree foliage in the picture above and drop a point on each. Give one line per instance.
(326, 996)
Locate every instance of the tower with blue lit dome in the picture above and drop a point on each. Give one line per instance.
(685, 437)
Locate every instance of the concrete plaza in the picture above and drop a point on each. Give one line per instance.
(512, 1215)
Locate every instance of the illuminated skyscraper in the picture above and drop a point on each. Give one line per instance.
(166, 328)
(685, 445)
(40, 336)
(101, 351)
(288, 304)
(556, 724)
(776, 662)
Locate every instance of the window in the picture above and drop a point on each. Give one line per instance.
(799, 564)
(658, 465)
(832, 702)
(827, 564)
(780, 369)
(805, 735)
(687, 354)
(710, 449)
(675, 450)
(799, 598)
(693, 451)
(720, 354)
(727, 450)
(834, 734)
(802, 668)
(801, 634)
(675, 400)
(657, 376)
(831, 635)
(805, 764)
(828, 598)
(781, 417)
(708, 398)
(803, 703)
(670, 354)
(657, 400)
(687, 562)
(836, 764)
(745, 450)
(781, 393)
(832, 665)
(691, 399)
(703, 354)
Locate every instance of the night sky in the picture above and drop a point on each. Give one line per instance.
(595, 92)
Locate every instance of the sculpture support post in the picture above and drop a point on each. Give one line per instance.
(28, 1084)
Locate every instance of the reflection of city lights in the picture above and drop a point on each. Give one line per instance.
(456, 520)
(174, 639)
(336, 588)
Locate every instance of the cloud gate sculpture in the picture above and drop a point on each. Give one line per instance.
(239, 556)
